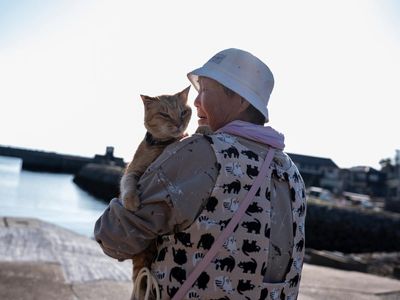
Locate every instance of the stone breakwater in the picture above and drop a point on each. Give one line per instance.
(351, 230)
(42, 161)
(101, 181)
(328, 227)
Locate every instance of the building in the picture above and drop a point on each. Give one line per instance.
(108, 158)
(381, 186)
(364, 180)
(318, 171)
(392, 182)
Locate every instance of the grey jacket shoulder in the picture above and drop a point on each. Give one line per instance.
(195, 147)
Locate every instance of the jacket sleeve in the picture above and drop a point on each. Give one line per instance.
(173, 191)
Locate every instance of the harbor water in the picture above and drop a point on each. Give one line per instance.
(47, 196)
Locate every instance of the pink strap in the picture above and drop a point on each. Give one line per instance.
(228, 230)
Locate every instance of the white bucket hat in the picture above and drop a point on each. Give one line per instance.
(241, 72)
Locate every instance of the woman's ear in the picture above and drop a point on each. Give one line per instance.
(244, 104)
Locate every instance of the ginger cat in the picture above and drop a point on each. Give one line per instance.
(166, 119)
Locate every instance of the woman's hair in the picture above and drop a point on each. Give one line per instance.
(251, 112)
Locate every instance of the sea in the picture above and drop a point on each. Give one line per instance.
(50, 197)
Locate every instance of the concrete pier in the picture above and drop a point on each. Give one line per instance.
(42, 261)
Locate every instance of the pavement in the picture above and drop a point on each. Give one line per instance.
(42, 261)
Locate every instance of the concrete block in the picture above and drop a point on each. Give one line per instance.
(22, 222)
(334, 260)
(33, 280)
(103, 290)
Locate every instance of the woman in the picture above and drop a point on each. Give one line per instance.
(192, 191)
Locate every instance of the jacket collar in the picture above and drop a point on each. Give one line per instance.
(262, 134)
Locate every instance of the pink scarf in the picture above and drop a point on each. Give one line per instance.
(262, 134)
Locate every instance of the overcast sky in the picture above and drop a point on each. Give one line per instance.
(71, 72)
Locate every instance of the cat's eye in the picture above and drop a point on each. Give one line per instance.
(164, 115)
(183, 113)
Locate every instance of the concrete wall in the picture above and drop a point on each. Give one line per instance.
(101, 181)
(347, 230)
(46, 161)
(351, 230)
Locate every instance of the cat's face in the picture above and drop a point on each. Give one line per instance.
(167, 116)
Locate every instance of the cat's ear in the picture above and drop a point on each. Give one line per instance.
(184, 94)
(147, 100)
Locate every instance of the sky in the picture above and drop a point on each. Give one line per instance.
(71, 72)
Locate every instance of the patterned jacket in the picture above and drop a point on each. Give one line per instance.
(239, 269)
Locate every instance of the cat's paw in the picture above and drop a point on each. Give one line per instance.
(131, 201)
